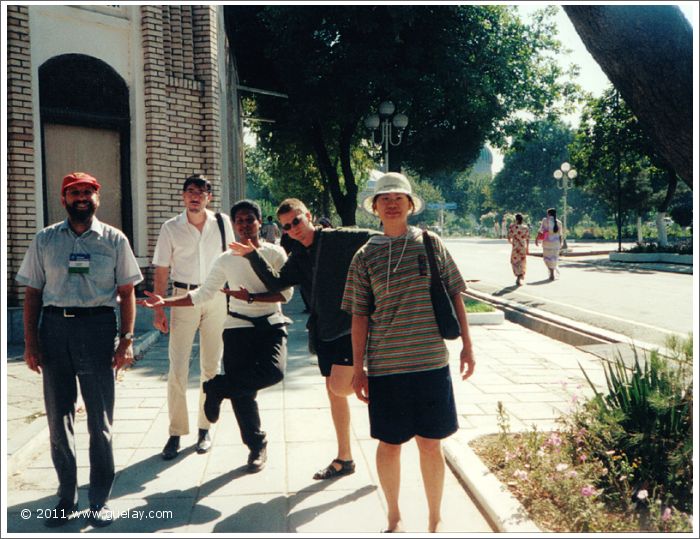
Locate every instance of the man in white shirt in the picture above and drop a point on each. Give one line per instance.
(255, 336)
(187, 246)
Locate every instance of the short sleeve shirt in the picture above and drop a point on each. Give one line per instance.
(237, 271)
(389, 281)
(111, 264)
(188, 252)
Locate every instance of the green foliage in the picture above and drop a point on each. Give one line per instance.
(526, 185)
(620, 462)
(336, 63)
(685, 248)
(615, 158)
(647, 417)
(682, 209)
(474, 306)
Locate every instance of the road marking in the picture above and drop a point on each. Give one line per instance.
(596, 313)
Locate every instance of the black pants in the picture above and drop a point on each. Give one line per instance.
(82, 348)
(253, 359)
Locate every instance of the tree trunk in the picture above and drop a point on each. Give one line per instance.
(344, 204)
(640, 232)
(647, 53)
(661, 228)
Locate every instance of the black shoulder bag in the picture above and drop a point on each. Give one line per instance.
(444, 309)
(312, 321)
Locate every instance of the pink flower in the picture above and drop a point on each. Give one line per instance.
(554, 440)
(520, 474)
(582, 457)
(588, 490)
(666, 514)
(572, 474)
(642, 494)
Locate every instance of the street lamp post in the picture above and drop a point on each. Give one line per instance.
(384, 121)
(562, 175)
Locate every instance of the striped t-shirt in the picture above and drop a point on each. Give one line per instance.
(389, 281)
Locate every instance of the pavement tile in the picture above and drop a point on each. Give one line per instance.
(304, 459)
(264, 513)
(532, 375)
(336, 511)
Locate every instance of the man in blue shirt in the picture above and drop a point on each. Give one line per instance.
(74, 271)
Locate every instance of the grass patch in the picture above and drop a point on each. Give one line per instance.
(474, 306)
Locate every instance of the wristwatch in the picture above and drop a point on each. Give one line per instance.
(251, 298)
(129, 336)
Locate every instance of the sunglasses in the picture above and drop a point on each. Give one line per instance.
(295, 222)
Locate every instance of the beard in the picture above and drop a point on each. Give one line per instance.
(81, 215)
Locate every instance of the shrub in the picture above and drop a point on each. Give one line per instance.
(646, 418)
(681, 248)
(620, 462)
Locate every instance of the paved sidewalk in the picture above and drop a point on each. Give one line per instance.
(212, 492)
(535, 377)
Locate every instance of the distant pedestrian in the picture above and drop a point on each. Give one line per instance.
(186, 248)
(519, 237)
(254, 333)
(270, 231)
(407, 383)
(551, 234)
(77, 273)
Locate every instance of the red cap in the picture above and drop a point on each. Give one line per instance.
(74, 178)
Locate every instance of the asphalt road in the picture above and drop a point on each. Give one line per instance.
(642, 304)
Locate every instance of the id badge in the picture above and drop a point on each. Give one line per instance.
(79, 263)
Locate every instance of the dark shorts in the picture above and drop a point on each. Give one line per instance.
(335, 352)
(402, 406)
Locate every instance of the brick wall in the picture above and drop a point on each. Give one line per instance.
(181, 83)
(21, 203)
(182, 119)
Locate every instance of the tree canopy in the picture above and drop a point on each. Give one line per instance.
(458, 72)
(526, 183)
(616, 160)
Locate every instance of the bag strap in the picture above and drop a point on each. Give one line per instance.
(220, 222)
(250, 319)
(315, 271)
(428, 244)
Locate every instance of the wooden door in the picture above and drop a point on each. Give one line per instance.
(69, 148)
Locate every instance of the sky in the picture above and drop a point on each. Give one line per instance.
(591, 77)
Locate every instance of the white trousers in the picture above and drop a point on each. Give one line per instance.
(209, 319)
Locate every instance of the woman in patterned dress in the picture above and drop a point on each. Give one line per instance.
(519, 237)
(552, 234)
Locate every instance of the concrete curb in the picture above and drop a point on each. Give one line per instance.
(24, 444)
(557, 327)
(503, 510)
(668, 258)
(480, 319)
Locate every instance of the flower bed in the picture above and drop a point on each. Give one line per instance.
(621, 462)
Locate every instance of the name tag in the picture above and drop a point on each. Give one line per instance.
(79, 263)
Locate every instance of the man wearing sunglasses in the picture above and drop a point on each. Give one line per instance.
(319, 263)
(186, 249)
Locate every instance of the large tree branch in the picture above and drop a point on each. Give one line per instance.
(647, 53)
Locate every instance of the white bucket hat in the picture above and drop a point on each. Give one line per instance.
(393, 182)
